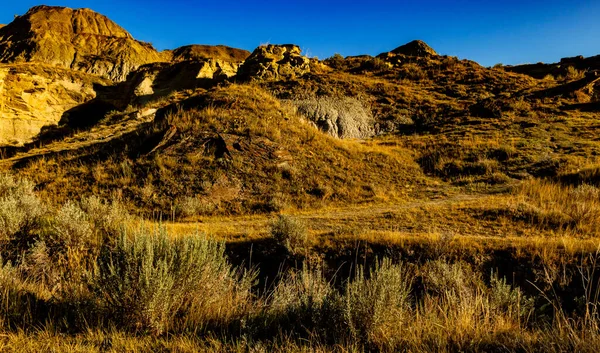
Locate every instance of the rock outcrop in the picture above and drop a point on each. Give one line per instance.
(275, 62)
(76, 39)
(339, 117)
(153, 81)
(203, 52)
(33, 96)
(415, 48)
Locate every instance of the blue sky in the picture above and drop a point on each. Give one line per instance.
(489, 32)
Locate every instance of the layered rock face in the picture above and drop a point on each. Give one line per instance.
(76, 39)
(275, 62)
(33, 96)
(51, 57)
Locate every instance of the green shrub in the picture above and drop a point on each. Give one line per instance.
(302, 304)
(509, 301)
(337, 61)
(21, 213)
(290, 233)
(152, 283)
(71, 230)
(452, 281)
(377, 307)
(107, 218)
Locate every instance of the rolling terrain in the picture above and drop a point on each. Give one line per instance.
(413, 201)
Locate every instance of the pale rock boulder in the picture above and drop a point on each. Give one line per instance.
(341, 117)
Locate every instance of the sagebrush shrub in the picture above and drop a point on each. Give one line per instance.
(377, 307)
(21, 211)
(453, 282)
(508, 301)
(150, 282)
(71, 229)
(108, 218)
(302, 303)
(290, 233)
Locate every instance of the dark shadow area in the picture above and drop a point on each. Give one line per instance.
(129, 145)
(86, 115)
(587, 176)
(583, 107)
(340, 264)
(80, 118)
(169, 78)
(566, 88)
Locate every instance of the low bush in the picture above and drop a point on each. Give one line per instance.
(21, 215)
(152, 283)
(304, 303)
(290, 233)
(377, 308)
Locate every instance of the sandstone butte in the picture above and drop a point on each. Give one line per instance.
(52, 59)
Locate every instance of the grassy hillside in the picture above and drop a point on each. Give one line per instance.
(230, 150)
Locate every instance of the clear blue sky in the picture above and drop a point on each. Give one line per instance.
(488, 32)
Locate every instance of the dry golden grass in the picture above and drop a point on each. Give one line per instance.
(280, 163)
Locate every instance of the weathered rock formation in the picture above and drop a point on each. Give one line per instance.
(202, 52)
(339, 117)
(33, 96)
(76, 39)
(51, 57)
(275, 62)
(415, 48)
(153, 81)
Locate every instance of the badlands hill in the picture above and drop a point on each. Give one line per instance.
(74, 39)
(221, 130)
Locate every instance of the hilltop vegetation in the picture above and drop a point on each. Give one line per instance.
(207, 198)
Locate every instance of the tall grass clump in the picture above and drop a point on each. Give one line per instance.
(152, 283)
(552, 205)
(459, 310)
(20, 302)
